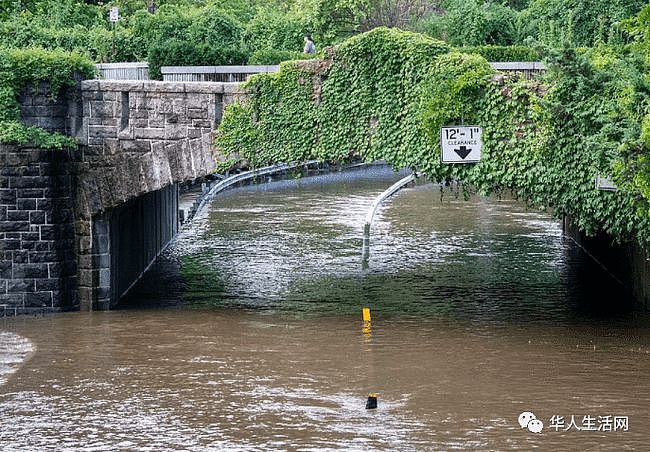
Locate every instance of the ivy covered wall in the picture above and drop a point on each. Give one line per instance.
(386, 93)
(22, 69)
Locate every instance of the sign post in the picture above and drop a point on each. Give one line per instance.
(461, 144)
(114, 16)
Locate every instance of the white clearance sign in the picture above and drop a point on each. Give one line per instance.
(461, 144)
(114, 14)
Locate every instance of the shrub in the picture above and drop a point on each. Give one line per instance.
(473, 23)
(183, 53)
(180, 36)
(276, 30)
(271, 56)
(578, 23)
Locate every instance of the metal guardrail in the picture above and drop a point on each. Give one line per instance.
(246, 175)
(213, 73)
(123, 71)
(383, 196)
(365, 251)
(529, 69)
(140, 71)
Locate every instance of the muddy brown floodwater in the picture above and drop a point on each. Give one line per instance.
(248, 335)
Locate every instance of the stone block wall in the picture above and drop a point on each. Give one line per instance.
(139, 139)
(60, 113)
(141, 136)
(37, 241)
(146, 116)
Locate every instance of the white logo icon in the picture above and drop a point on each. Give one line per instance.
(529, 421)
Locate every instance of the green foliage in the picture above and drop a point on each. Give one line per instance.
(206, 31)
(333, 20)
(385, 94)
(453, 78)
(176, 52)
(206, 25)
(95, 43)
(376, 71)
(252, 25)
(577, 22)
(68, 13)
(473, 23)
(223, 167)
(551, 22)
(271, 56)
(178, 36)
(14, 132)
(503, 53)
(21, 67)
(277, 30)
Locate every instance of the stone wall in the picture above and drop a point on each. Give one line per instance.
(77, 228)
(141, 136)
(60, 113)
(37, 247)
(139, 139)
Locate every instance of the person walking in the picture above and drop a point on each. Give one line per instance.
(310, 47)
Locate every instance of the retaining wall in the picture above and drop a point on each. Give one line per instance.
(37, 240)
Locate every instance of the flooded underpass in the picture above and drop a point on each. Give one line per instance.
(248, 334)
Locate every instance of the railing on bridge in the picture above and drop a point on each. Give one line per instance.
(123, 71)
(140, 71)
(528, 69)
(213, 73)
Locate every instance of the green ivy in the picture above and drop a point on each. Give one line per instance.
(271, 56)
(21, 67)
(386, 93)
(14, 132)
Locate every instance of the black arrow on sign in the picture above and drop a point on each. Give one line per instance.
(463, 152)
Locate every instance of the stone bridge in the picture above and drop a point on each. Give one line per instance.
(78, 228)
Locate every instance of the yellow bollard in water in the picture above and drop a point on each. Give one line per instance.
(366, 322)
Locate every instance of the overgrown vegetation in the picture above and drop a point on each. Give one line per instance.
(21, 67)
(385, 94)
(233, 31)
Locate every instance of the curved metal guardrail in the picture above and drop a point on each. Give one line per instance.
(365, 251)
(246, 175)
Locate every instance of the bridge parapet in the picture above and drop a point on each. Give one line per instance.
(141, 116)
(141, 136)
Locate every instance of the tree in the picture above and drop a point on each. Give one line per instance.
(394, 13)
